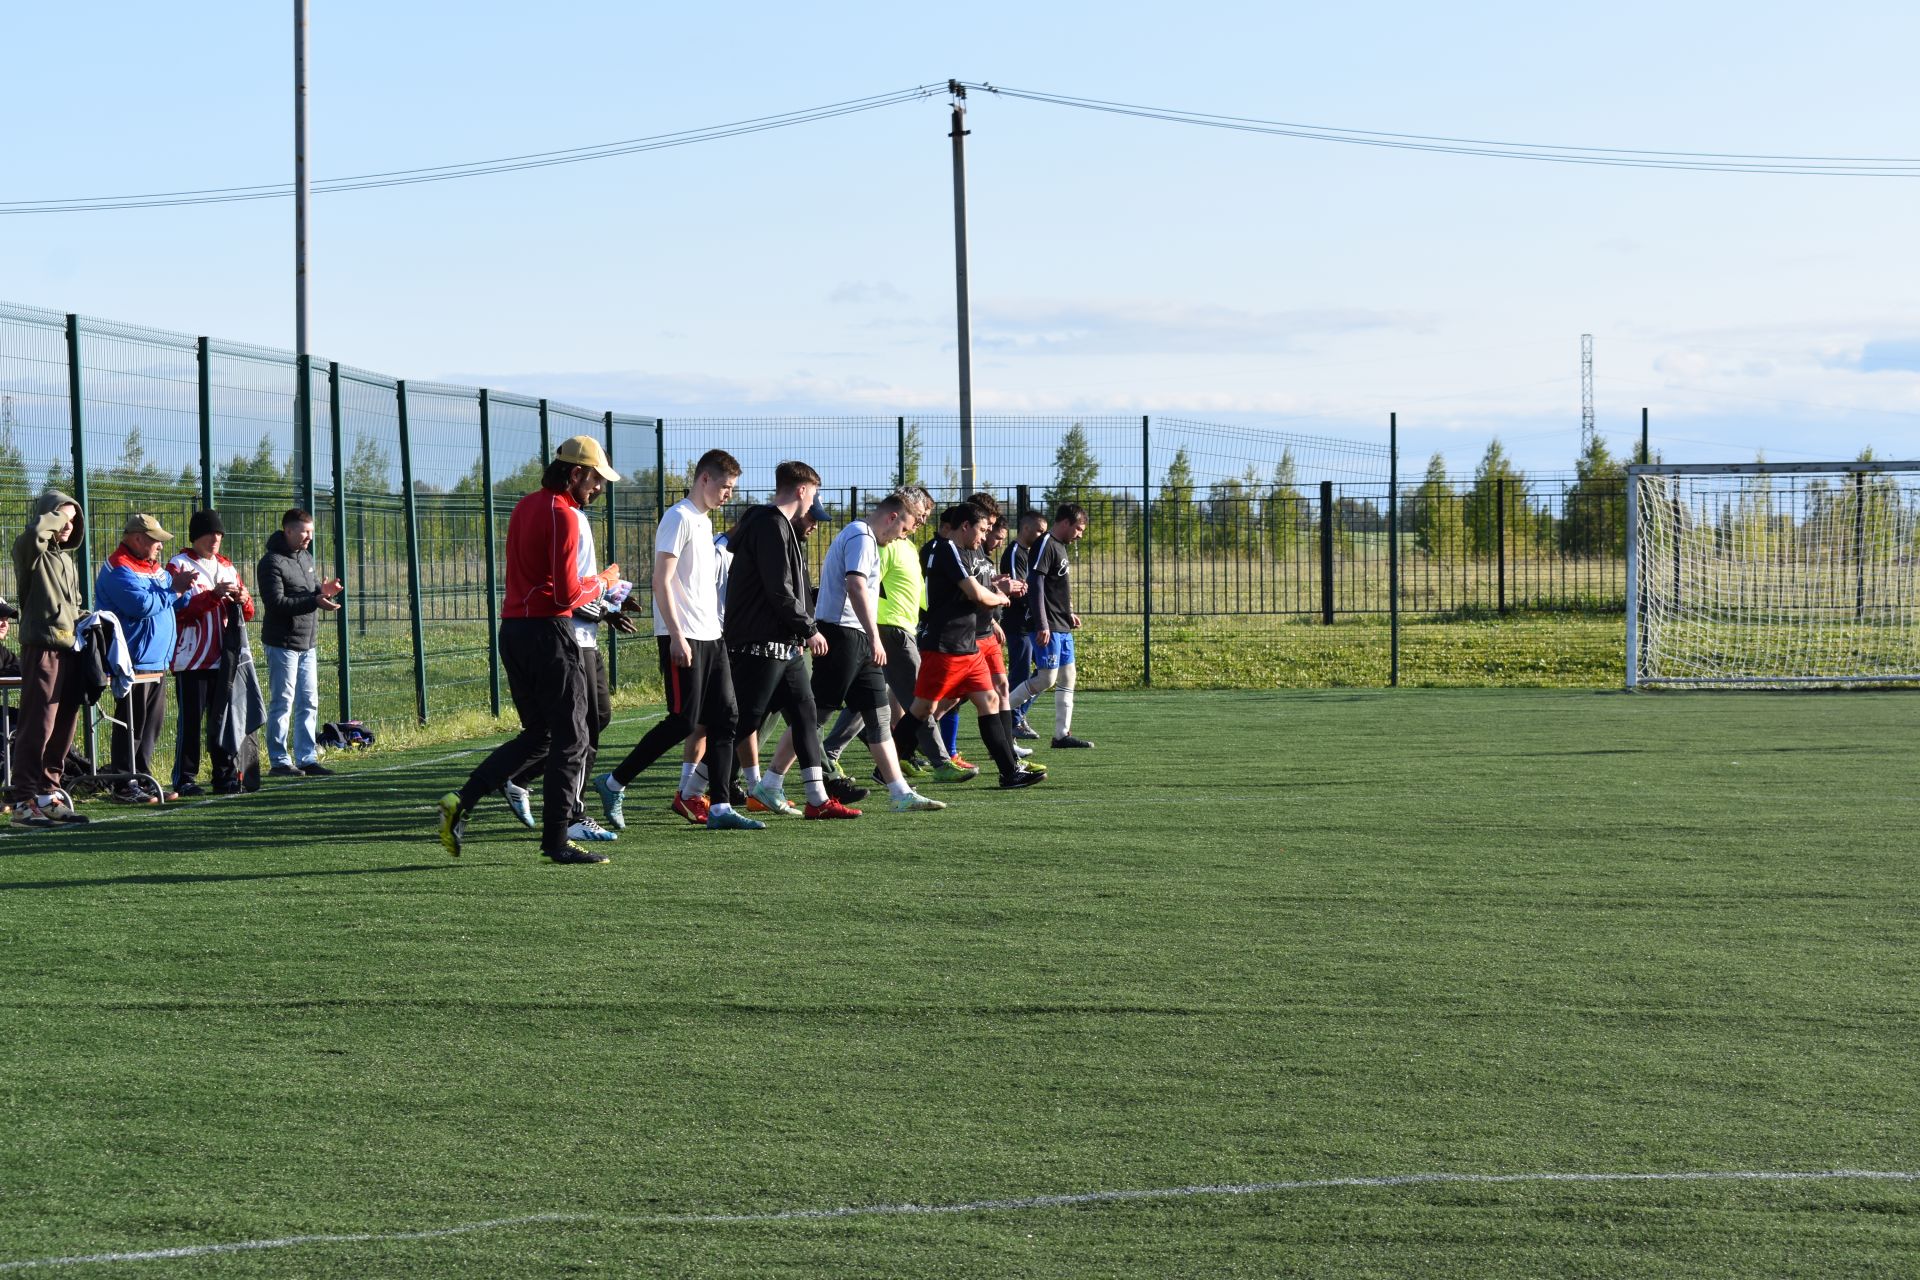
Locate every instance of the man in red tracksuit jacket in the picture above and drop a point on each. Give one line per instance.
(545, 672)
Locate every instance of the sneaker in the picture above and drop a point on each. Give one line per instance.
(453, 823)
(284, 771)
(1068, 740)
(913, 767)
(694, 810)
(1033, 766)
(830, 767)
(729, 819)
(1021, 729)
(59, 812)
(959, 762)
(846, 790)
(520, 802)
(914, 802)
(188, 790)
(127, 795)
(765, 799)
(613, 799)
(29, 814)
(737, 795)
(575, 855)
(947, 771)
(316, 770)
(588, 829)
(231, 787)
(1022, 752)
(831, 809)
(1024, 778)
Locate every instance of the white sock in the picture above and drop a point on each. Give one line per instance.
(751, 774)
(686, 776)
(816, 789)
(1063, 703)
(899, 789)
(720, 806)
(693, 780)
(776, 782)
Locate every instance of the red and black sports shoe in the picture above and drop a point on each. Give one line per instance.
(694, 810)
(831, 809)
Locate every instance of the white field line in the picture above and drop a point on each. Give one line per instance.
(971, 1206)
(181, 806)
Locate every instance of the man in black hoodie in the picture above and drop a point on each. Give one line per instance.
(291, 597)
(769, 624)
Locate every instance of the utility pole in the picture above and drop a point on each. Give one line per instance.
(964, 322)
(303, 392)
(1586, 392)
(300, 177)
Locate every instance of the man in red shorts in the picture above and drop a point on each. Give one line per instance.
(950, 660)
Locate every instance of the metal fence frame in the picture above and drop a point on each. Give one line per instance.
(1194, 529)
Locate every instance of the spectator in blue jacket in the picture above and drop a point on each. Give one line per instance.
(137, 588)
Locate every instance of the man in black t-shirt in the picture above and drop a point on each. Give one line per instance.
(951, 662)
(1052, 620)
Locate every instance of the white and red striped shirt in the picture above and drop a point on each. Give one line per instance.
(202, 620)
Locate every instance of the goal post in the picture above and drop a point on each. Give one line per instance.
(1773, 575)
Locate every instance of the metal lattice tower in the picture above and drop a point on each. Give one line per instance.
(1586, 392)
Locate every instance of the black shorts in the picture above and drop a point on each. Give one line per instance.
(848, 676)
(703, 692)
(765, 685)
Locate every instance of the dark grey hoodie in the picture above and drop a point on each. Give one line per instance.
(289, 594)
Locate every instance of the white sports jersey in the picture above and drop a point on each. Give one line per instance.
(686, 533)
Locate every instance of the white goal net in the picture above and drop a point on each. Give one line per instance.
(1773, 574)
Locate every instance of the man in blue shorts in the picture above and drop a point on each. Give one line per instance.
(1052, 621)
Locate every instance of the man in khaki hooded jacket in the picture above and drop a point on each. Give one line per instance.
(49, 584)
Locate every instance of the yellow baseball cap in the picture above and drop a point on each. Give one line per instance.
(585, 451)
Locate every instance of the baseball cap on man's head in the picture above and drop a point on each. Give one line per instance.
(7, 612)
(149, 526)
(585, 451)
(818, 511)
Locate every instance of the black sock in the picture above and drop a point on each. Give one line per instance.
(993, 732)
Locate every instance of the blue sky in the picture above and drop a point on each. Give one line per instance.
(1119, 266)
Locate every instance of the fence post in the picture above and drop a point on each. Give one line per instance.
(1393, 551)
(1643, 437)
(900, 444)
(659, 469)
(77, 416)
(303, 431)
(1023, 499)
(1326, 552)
(493, 560)
(613, 637)
(203, 358)
(351, 599)
(1146, 549)
(1500, 535)
(546, 442)
(413, 553)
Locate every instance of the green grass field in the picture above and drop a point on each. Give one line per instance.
(1253, 938)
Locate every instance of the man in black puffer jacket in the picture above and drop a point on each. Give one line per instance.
(291, 597)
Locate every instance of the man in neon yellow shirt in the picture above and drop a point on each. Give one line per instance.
(903, 590)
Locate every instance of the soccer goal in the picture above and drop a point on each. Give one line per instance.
(1773, 574)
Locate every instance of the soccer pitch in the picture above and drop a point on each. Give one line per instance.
(1198, 1006)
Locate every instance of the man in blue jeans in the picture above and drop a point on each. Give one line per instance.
(291, 598)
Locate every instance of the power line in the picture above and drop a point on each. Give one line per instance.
(1551, 153)
(475, 168)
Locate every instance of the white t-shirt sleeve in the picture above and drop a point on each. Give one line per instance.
(671, 540)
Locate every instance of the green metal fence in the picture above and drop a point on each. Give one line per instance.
(1217, 554)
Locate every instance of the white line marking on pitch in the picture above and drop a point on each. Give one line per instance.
(971, 1206)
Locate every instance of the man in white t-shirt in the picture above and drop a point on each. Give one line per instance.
(848, 674)
(693, 661)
